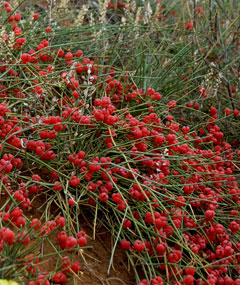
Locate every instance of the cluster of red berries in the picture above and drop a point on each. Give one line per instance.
(69, 242)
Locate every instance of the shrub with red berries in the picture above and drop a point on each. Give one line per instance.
(156, 168)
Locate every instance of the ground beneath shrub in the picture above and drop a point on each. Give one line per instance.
(97, 257)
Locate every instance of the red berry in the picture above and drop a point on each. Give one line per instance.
(125, 244)
(103, 197)
(172, 104)
(138, 245)
(161, 248)
(36, 224)
(8, 236)
(35, 16)
(209, 214)
(82, 241)
(188, 280)
(74, 181)
(48, 29)
(71, 202)
(180, 202)
(8, 9)
(190, 271)
(61, 222)
(57, 186)
(59, 277)
(17, 17)
(76, 267)
(227, 111)
(235, 112)
(175, 256)
(71, 242)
